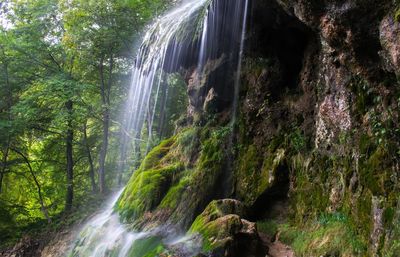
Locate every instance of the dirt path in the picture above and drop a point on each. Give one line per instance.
(276, 248)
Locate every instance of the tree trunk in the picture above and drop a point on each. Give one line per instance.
(90, 159)
(1, 181)
(9, 105)
(38, 187)
(103, 151)
(137, 151)
(69, 154)
(4, 166)
(105, 90)
(123, 151)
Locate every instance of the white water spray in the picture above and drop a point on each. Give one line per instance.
(195, 32)
(104, 235)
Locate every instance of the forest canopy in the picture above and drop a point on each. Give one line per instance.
(64, 74)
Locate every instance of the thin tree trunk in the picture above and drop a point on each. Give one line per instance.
(69, 154)
(1, 181)
(9, 105)
(38, 187)
(4, 166)
(123, 151)
(103, 152)
(137, 151)
(90, 159)
(105, 96)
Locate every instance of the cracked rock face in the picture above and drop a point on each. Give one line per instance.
(390, 40)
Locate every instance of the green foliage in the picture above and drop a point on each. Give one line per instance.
(313, 196)
(369, 102)
(7, 226)
(332, 234)
(392, 247)
(268, 227)
(55, 52)
(397, 15)
(297, 140)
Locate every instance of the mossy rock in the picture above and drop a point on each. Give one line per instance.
(220, 224)
(150, 183)
(219, 208)
(176, 179)
(151, 246)
(201, 183)
(256, 172)
(375, 171)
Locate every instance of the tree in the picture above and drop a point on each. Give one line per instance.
(64, 73)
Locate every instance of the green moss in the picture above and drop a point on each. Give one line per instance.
(397, 15)
(192, 159)
(188, 142)
(146, 191)
(153, 158)
(392, 245)
(248, 173)
(366, 145)
(362, 213)
(174, 194)
(216, 225)
(388, 216)
(268, 227)
(149, 183)
(256, 172)
(374, 171)
(329, 235)
(147, 247)
(310, 195)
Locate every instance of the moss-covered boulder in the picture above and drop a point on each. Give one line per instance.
(150, 183)
(224, 232)
(177, 179)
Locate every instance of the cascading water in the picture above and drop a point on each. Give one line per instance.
(104, 235)
(203, 37)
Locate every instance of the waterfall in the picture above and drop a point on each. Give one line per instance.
(202, 36)
(104, 235)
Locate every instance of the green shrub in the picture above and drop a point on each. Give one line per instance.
(332, 234)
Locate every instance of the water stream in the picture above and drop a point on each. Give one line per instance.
(104, 235)
(187, 37)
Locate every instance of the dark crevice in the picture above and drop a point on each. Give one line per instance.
(276, 35)
(277, 194)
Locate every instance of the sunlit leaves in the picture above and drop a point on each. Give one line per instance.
(50, 54)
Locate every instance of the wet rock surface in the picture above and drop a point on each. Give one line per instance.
(224, 232)
(318, 115)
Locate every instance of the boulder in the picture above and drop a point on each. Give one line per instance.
(225, 233)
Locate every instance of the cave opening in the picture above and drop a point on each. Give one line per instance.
(281, 38)
(273, 202)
